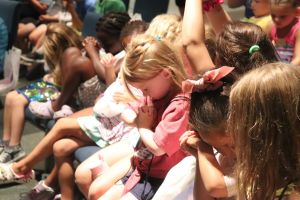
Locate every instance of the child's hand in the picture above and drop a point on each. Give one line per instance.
(108, 61)
(190, 142)
(91, 43)
(146, 115)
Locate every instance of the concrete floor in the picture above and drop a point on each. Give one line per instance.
(31, 136)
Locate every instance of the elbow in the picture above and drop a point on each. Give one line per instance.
(217, 191)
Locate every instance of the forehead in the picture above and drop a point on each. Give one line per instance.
(281, 8)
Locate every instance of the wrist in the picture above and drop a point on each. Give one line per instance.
(210, 4)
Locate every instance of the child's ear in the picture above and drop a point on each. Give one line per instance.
(166, 73)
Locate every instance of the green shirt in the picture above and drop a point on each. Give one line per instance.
(105, 6)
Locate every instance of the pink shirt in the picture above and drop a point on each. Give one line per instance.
(285, 45)
(172, 123)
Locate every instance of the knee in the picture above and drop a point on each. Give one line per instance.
(96, 191)
(60, 149)
(15, 99)
(83, 175)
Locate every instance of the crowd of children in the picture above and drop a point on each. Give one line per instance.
(199, 107)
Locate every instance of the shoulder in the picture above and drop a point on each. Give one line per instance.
(178, 108)
(73, 56)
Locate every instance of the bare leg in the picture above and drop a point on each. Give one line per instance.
(14, 117)
(51, 180)
(64, 128)
(111, 155)
(64, 161)
(102, 184)
(37, 33)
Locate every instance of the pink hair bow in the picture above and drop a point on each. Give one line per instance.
(209, 81)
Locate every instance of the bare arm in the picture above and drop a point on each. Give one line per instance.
(209, 179)
(145, 119)
(193, 37)
(210, 170)
(218, 18)
(92, 50)
(39, 6)
(296, 57)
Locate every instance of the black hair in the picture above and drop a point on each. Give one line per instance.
(112, 23)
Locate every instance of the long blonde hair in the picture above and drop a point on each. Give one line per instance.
(58, 38)
(265, 122)
(146, 56)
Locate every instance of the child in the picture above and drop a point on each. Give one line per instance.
(101, 130)
(285, 32)
(58, 35)
(267, 140)
(207, 119)
(153, 67)
(232, 47)
(108, 32)
(239, 44)
(262, 17)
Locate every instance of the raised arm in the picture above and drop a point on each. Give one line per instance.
(90, 45)
(193, 37)
(218, 17)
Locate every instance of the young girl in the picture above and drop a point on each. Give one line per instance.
(58, 35)
(261, 10)
(207, 120)
(285, 32)
(103, 128)
(108, 32)
(239, 36)
(267, 140)
(153, 67)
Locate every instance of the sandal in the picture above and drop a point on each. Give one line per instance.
(7, 175)
(42, 110)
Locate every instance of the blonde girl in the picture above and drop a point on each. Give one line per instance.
(267, 139)
(154, 68)
(58, 38)
(285, 33)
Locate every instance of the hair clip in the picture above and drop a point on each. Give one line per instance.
(158, 38)
(254, 48)
(209, 81)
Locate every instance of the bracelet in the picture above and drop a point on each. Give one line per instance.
(210, 4)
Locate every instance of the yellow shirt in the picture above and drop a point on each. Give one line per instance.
(263, 22)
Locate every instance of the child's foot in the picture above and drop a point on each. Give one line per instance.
(7, 175)
(41, 192)
(12, 154)
(43, 110)
(65, 111)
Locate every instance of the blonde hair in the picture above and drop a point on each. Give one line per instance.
(293, 3)
(58, 38)
(166, 26)
(264, 121)
(145, 58)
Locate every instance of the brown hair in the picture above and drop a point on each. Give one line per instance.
(58, 38)
(233, 46)
(264, 121)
